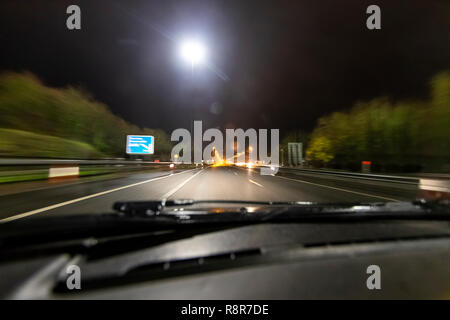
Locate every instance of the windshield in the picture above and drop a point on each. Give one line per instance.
(233, 101)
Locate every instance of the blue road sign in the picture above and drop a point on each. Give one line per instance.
(140, 144)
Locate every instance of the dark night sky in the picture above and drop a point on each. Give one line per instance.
(288, 62)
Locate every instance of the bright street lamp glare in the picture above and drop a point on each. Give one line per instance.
(193, 52)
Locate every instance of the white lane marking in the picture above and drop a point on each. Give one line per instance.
(171, 192)
(259, 185)
(29, 213)
(235, 173)
(340, 189)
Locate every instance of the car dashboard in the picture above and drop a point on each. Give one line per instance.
(262, 261)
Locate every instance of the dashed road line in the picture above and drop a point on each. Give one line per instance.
(171, 192)
(259, 185)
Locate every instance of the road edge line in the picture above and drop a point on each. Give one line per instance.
(340, 189)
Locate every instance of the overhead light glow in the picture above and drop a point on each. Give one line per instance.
(193, 52)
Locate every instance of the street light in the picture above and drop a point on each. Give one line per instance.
(193, 52)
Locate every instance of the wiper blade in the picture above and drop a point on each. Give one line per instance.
(143, 216)
(156, 216)
(419, 209)
(159, 208)
(148, 208)
(156, 207)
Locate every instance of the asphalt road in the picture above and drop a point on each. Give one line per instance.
(212, 183)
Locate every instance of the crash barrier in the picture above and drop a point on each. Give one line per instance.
(429, 186)
(17, 170)
(357, 175)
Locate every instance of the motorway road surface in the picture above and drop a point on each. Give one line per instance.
(211, 183)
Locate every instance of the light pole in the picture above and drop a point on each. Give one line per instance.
(194, 53)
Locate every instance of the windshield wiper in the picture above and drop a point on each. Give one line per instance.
(155, 207)
(177, 215)
(148, 208)
(303, 209)
(154, 222)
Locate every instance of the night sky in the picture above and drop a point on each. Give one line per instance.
(272, 64)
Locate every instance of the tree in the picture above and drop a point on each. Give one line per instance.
(319, 151)
(405, 136)
(26, 104)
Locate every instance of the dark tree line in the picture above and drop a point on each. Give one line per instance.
(405, 136)
(26, 105)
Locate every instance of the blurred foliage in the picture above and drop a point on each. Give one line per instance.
(71, 114)
(405, 136)
(320, 150)
(18, 143)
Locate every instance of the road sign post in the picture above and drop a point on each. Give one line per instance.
(365, 166)
(295, 153)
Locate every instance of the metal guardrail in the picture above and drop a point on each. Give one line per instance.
(430, 186)
(356, 175)
(38, 162)
(20, 169)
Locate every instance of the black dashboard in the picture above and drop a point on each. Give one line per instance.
(263, 261)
